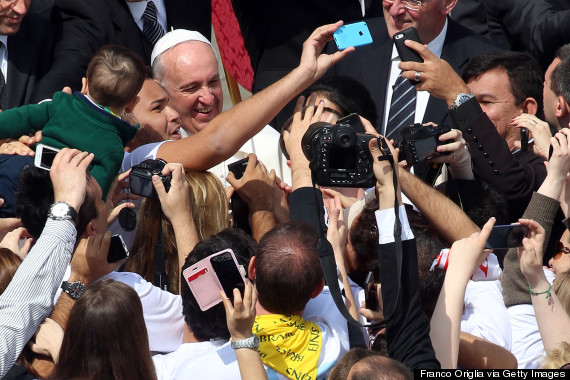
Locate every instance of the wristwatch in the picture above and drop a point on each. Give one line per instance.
(62, 211)
(75, 289)
(251, 342)
(459, 100)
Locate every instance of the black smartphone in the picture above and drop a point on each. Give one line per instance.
(226, 268)
(240, 209)
(508, 236)
(353, 121)
(524, 139)
(370, 295)
(406, 54)
(117, 249)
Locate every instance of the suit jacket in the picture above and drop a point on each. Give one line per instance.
(84, 26)
(29, 55)
(370, 64)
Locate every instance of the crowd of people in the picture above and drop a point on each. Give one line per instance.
(359, 256)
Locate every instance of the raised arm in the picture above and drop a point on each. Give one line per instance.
(224, 135)
(28, 298)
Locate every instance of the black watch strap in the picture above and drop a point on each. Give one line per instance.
(75, 288)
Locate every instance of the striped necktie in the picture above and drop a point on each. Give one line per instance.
(151, 28)
(2, 84)
(402, 107)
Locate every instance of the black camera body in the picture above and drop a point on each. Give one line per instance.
(140, 179)
(338, 155)
(418, 143)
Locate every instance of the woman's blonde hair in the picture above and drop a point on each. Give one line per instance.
(209, 211)
(561, 287)
(557, 357)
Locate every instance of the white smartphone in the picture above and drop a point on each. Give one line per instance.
(44, 156)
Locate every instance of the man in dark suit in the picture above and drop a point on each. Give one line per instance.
(375, 65)
(25, 52)
(84, 26)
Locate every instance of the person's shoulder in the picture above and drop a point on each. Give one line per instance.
(458, 32)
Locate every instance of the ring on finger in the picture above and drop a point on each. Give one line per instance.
(533, 122)
(454, 155)
(417, 76)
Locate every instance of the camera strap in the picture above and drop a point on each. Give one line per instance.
(328, 263)
(160, 276)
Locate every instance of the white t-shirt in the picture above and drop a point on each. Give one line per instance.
(485, 314)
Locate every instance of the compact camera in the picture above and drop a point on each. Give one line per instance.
(140, 179)
(418, 143)
(338, 155)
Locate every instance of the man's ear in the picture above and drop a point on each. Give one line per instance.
(530, 106)
(448, 6)
(251, 269)
(84, 86)
(90, 229)
(562, 107)
(131, 106)
(319, 288)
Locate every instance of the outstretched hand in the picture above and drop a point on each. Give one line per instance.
(312, 60)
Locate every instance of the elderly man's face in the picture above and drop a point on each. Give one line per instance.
(549, 97)
(12, 13)
(428, 19)
(192, 81)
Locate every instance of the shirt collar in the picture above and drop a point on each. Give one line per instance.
(435, 46)
(137, 8)
(4, 40)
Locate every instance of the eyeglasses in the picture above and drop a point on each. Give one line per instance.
(413, 5)
(560, 250)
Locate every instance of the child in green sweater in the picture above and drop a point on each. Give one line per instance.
(90, 120)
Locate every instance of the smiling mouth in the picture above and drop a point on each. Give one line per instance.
(205, 110)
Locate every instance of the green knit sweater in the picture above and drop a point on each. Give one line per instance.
(75, 122)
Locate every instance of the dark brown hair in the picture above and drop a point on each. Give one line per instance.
(106, 336)
(115, 76)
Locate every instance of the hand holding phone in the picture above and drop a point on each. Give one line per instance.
(117, 249)
(240, 209)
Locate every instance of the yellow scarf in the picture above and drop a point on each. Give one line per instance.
(289, 345)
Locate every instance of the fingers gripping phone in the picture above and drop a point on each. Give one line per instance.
(356, 34)
(406, 54)
(44, 156)
(216, 272)
(508, 236)
(370, 295)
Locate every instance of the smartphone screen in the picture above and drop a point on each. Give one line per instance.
(228, 273)
(509, 236)
(240, 209)
(117, 249)
(45, 156)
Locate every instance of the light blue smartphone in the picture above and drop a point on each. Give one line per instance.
(356, 34)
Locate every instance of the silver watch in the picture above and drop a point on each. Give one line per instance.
(251, 342)
(62, 211)
(460, 99)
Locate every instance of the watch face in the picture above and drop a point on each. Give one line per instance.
(59, 209)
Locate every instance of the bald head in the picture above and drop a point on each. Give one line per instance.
(379, 368)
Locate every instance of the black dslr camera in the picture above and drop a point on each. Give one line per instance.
(338, 155)
(418, 143)
(140, 179)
